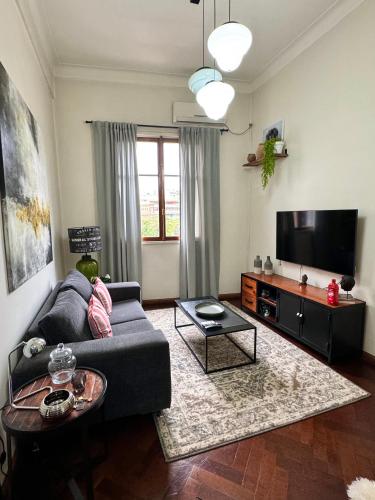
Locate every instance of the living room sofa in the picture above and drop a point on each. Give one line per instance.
(135, 360)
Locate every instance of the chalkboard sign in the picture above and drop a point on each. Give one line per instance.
(85, 239)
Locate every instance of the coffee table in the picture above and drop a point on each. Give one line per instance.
(231, 323)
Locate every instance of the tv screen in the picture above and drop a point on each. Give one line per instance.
(324, 239)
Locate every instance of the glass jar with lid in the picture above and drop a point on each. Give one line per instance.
(62, 364)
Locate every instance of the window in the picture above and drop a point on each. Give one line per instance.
(159, 188)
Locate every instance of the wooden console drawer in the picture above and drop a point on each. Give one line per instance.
(250, 302)
(249, 285)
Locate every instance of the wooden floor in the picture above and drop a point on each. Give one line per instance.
(313, 459)
(310, 460)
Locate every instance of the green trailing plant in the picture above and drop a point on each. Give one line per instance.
(269, 161)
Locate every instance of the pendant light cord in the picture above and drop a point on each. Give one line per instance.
(229, 10)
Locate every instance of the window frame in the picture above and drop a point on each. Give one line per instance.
(162, 225)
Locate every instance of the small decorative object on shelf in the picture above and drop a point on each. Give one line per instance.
(86, 240)
(259, 155)
(62, 364)
(347, 284)
(303, 281)
(268, 267)
(333, 293)
(251, 157)
(279, 146)
(258, 265)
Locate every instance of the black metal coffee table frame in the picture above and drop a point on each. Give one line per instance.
(216, 333)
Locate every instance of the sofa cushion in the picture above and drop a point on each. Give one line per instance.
(34, 330)
(67, 319)
(138, 325)
(98, 319)
(126, 310)
(102, 293)
(78, 282)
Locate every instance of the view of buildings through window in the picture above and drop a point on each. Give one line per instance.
(159, 187)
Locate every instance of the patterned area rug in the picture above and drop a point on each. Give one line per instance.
(284, 386)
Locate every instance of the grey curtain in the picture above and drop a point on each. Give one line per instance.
(115, 157)
(200, 212)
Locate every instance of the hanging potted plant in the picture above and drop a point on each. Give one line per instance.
(279, 146)
(268, 167)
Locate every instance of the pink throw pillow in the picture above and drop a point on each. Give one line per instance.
(98, 319)
(102, 293)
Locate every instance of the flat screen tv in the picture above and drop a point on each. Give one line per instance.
(324, 239)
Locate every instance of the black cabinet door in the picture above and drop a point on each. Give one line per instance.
(315, 328)
(289, 311)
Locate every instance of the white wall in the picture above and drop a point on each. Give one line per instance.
(326, 97)
(17, 309)
(78, 101)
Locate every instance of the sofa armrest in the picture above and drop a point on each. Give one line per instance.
(124, 291)
(136, 365)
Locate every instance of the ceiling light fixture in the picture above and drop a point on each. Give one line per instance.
(215, 98)
(213, 95)
(229, 43)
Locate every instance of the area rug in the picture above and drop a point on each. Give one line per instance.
(284, 386)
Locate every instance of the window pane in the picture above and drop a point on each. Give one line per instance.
(171, 158)
(147, 157)
(172, 206)
(149, 198)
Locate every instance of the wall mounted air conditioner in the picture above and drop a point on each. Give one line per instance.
(190, 113)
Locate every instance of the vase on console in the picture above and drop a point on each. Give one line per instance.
(268, 267)
(258, 265)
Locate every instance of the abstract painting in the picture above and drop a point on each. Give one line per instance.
(23, 188)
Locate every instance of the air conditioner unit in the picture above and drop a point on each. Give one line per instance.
(190, 113)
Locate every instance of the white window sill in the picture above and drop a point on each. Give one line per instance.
(167, 242)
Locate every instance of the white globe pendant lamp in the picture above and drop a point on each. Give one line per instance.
(211, 93)
(228, 44)
(215, 98)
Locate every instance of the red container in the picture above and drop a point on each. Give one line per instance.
(333, 293)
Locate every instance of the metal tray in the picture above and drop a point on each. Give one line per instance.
(209, 309)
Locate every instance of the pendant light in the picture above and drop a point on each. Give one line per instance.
(215, 98)
(213, 95)
(229, 43)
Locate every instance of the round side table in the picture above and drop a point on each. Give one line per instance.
(29, 424)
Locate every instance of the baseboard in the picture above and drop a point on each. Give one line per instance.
(368, 358)
(158, 302)
(169, 302)
(229, 296)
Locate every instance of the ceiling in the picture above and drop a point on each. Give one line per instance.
(165, 36)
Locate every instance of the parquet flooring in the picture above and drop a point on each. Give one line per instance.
(311, 460)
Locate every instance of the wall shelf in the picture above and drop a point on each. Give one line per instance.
(256, 163)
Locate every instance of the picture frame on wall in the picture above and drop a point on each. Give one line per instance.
(280, 129)
(25, 206)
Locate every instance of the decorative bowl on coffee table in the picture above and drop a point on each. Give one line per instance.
(209, 309)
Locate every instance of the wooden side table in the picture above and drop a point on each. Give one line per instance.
(29, 424)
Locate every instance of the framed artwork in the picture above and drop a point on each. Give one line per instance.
(23, 188)
(279, 126)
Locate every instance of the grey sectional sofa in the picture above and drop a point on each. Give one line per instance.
(135, 360)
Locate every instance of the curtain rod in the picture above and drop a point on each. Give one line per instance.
(164, 126)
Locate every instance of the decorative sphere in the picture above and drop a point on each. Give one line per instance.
(347, 283)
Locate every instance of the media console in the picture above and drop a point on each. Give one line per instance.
(303, 312)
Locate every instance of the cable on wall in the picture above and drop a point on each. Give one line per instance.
(238, 133)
